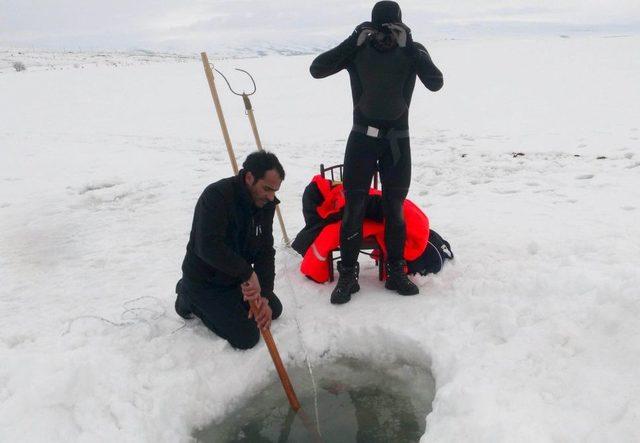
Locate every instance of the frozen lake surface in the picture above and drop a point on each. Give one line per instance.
(527, 162)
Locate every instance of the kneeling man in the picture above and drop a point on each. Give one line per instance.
(230, 255)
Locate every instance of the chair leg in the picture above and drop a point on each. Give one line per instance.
(330, 258)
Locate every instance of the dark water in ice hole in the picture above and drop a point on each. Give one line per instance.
(357, 402)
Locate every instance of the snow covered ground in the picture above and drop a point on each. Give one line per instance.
(532, 334)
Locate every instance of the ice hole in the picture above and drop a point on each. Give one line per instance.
(357, 401)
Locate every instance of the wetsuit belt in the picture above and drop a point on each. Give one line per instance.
(392, 135)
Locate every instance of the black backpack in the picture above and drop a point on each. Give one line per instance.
(438, 250)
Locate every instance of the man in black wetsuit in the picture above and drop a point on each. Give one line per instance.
(231, 231)
(382, 60)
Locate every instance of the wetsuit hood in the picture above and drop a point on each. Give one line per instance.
(386, 12)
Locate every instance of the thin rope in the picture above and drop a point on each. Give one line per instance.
(136, 319)
(304, 347)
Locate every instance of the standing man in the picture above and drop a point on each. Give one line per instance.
(382, 60)
(231, 231)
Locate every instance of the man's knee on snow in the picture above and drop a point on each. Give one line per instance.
(245, 338)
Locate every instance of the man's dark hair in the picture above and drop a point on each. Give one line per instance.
(259, 162)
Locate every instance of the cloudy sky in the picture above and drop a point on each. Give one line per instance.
(192, 24)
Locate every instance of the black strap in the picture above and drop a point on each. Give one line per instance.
(446, 249)
(392, 135)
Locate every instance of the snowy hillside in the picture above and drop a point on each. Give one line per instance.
(528, 162)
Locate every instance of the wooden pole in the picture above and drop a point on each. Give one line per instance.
(216, 101)
(254, 128)
(266, 334)
(277, 361)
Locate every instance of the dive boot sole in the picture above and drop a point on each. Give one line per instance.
(392, 287)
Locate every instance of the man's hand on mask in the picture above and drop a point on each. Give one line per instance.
(403, 34)
(363, 31)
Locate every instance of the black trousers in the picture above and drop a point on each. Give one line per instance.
(362, 156)
(225, 313)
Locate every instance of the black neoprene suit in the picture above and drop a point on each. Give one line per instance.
(382, 84)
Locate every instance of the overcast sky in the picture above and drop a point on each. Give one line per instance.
(194, 24)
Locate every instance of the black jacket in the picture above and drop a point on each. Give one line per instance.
(381, 82)
(228, 235)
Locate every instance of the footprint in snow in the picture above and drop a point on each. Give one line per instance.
(506, 191)
(585, 177)
(96, 186)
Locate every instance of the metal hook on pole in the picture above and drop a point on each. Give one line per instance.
(254, 127)
(229, 84)
(248, 110)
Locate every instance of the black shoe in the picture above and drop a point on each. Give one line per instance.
(347, 284)
(183, 305)
(398, 281)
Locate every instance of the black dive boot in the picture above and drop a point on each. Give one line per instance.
(347, 284)
(397, 280)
